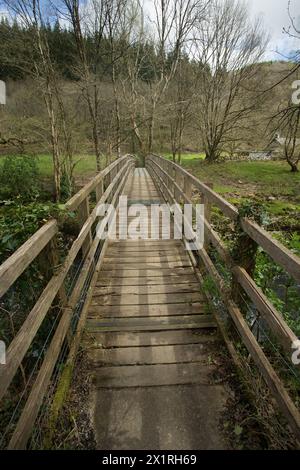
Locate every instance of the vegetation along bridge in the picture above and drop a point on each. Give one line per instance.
(150, 316)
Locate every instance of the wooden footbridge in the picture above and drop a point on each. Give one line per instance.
(141, 311)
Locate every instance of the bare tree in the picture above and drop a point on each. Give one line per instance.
(134, 59)
(182, 91)
(88, 20)
(293, 31)
(117, 22)
(172, 25)
(33, 16)
(287, 120)
(227, 47)
(96, 23)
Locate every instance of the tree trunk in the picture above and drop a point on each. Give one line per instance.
(136, 133)
(96, 145)
(179, 156)
(151, 128)
(54, 142)
(211, 156)
(117, 113)
(294, 167)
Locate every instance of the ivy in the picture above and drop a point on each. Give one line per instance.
(18, 222)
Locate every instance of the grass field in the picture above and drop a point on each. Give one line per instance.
(85, 165)
(270, 182)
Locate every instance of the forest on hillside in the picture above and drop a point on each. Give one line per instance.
(106, 77)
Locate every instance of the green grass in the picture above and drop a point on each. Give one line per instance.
(188, 157)
(85, 164)
(237, 181)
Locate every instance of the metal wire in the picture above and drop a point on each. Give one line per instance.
(63, 354)
(65, 348)
(275, 348)
(41, 353)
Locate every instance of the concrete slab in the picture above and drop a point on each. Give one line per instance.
(179, 417)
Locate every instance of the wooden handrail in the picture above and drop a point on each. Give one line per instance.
(268, 311)
(84, 192)
(227, 208)
(35, 399)
(275, 321)
(278, 252)
(22, 341)
(16, 264)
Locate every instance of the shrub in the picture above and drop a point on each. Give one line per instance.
(19, 177)
(18, 222)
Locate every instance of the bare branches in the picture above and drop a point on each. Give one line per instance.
(287, 119)
(226, 46)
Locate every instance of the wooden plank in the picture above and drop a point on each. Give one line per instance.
(146, 299)
(148, 251)
(16, 264)
(147, 310)
(278, 252)
(206, 323)
(146, 266)
(156, 271)
(187, 353)
(153, 375)
(145, 281)
(152, 338)
(138, 290)
(123, 260)
(151, 323)
(140, 244)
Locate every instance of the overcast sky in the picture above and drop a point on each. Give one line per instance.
(275, 16)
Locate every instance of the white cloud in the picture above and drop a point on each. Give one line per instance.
(275, 16)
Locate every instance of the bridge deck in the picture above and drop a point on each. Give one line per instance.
(152, 342)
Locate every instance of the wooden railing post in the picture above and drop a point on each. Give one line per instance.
(207, 212)
(187, 187)
(49, 262)
(83, 214)
(178, 179)
(99, 190)
(244, 254)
